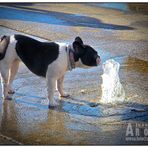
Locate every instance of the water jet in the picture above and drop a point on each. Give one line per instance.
(112, 89)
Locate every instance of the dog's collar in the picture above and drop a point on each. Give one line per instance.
(70, 57)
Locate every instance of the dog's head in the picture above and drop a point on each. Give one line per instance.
(85, 53)
(111, 67)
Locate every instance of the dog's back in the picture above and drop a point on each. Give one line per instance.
(4, 42)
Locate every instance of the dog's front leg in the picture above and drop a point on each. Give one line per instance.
(4, 82)
(51, 88)
(60, 87)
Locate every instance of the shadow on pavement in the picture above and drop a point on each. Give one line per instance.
(124, 111)
(56, 18)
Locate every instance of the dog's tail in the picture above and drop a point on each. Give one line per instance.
(4, 42)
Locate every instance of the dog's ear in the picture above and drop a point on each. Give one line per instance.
(79, 40)
(78, 46)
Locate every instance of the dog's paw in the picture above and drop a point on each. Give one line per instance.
(11, 91)
(65, 95)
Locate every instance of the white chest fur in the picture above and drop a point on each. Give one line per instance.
(59, 66)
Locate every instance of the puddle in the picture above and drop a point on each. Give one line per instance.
(132, 63)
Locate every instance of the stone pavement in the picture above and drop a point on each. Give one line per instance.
(27, 119)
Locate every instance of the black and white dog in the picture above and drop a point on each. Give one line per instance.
(46, 59)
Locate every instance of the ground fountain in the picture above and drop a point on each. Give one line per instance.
(112, 89)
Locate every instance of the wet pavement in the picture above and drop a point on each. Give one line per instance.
(80, 119)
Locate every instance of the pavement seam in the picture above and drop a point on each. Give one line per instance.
(10, 139)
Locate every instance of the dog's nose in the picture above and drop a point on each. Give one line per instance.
(98, 60)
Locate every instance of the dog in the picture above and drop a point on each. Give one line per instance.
(112, 89)
(50, 60)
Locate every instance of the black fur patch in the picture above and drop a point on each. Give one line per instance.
(36, 55)
(89, 57)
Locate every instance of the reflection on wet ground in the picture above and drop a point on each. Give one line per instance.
(57, 18)
(31, 124)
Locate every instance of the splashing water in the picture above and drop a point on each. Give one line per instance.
(112, 90)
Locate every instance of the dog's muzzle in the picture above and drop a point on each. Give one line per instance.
(98, 60)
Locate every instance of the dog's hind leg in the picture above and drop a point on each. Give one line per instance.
(4, 81)
(12, 73)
